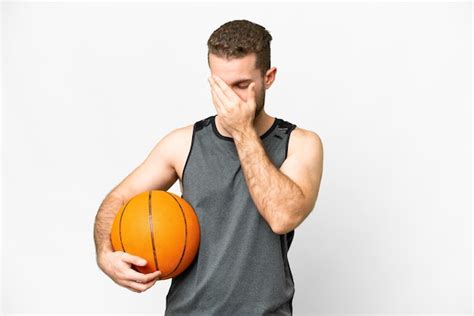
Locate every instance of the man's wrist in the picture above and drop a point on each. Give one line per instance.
(104, 249)
(246, 133)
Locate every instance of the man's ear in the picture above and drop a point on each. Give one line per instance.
(270, 77)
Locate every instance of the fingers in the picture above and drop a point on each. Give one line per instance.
(217, 102)
(217, 92)
(132, 279)
(132, 275)
(224, 89)
(139, 287)
(145, 281)
(126, 257)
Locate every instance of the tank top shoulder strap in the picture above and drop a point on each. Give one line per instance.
(285, 126)
(202, 123)
(283, 130)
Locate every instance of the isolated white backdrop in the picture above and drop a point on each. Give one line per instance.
(88, 90)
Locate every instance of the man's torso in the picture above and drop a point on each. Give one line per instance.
(242, 265)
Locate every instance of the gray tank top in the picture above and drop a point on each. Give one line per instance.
(242, 266)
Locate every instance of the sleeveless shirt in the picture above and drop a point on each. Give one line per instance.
(241, 267)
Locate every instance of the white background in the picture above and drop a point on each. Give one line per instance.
(88, 90)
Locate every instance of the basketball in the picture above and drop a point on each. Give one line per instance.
(160, 227)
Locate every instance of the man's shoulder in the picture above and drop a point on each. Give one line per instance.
(298, 133)
(177, 143)
(181, 132)
(181, 137)
(303, 139)
(185, 132)
(305, 134)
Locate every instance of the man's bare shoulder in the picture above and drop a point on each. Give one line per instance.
(177, 144)
(181, 133)
(303, 139)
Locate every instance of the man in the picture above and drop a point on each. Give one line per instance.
(250, 184)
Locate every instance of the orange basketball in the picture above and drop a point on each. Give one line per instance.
(160, 227)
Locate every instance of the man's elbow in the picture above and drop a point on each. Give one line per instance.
(282, 230)
(288, 222)
(285, 226)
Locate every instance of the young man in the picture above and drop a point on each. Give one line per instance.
(250, 184)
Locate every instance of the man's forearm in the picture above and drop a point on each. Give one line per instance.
(104, 220)
(275, 195)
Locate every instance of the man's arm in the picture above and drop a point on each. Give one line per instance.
(103, 222)
(283, 197)
(156, 172)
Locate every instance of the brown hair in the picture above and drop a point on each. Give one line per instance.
(239, 38)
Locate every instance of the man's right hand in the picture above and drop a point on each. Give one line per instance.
(118, 266)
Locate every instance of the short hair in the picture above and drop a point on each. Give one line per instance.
(239, 38)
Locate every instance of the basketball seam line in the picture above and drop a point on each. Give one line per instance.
(120, 226)
(185, 237)
(150, 220)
